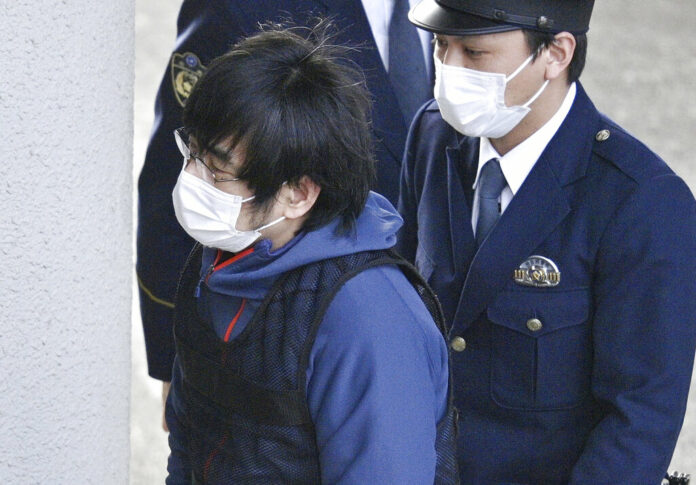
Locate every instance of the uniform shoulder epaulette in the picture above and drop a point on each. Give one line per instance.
(627, 153)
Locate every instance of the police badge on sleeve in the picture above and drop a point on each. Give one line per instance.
(186, 70)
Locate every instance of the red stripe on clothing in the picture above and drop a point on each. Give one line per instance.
(213, 454)
(234, 320)
(234, 258)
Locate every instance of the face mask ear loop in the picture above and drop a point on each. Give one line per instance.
(519, 69)
(271, 223)
(538, 93)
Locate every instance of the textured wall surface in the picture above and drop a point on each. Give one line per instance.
(65, 240)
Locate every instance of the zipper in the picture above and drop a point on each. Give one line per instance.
(207, 274)
(214, 267)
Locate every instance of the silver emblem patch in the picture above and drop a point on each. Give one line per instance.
(538, 271)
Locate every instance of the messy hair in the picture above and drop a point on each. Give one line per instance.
(299, 108)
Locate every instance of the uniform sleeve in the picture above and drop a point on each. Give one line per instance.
(206, 30)
(408, 203)
(377, 383)
(179, 465)
(644, 335)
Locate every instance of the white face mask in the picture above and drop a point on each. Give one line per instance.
(210, 215)
(473, 102)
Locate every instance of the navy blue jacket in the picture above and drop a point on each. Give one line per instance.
(208, 29)
(596, 393)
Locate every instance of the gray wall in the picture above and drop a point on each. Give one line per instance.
(640, 72)
(65, 240)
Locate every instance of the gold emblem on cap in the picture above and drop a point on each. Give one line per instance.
(538, 271)
(186, 70)
(602, 135)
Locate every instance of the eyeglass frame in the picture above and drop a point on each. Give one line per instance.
(181, 137)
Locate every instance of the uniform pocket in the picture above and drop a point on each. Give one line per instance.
(541, 354)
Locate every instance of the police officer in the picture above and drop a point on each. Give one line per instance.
(562, 249)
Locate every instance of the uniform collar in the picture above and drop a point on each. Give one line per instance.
(518, 162)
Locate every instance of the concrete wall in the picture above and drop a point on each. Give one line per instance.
(65, 240)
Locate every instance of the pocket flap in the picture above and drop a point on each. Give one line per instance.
(551, 310)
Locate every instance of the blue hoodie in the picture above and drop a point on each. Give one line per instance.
(377, 377)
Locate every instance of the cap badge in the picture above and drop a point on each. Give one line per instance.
(538, 271)
(186, 70)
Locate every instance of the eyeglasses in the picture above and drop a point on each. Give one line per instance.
(210, 174)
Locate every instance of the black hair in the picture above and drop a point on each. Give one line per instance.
(537, 41)
(299, 108)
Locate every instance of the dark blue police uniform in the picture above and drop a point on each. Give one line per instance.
(584, 380)
(207, 30)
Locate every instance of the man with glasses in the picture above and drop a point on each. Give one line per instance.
(307, 352)
(396, 59)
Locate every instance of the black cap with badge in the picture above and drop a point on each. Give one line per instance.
(473, 17)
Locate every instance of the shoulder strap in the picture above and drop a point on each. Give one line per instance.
(381, 258)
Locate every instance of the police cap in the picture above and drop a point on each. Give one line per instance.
(471, 17)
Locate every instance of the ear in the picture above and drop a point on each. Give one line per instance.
(559, 54)
(298, 199)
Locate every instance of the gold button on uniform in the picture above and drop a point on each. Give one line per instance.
(534, 324)
(458, 344)
(602, 135)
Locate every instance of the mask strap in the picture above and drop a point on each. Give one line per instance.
(270, 224)
(517, 71)
(538, 93)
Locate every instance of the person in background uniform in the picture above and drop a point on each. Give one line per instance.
(304, 353)
(562, 249)
(396, 59)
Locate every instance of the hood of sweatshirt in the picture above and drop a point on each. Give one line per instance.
(251, 275)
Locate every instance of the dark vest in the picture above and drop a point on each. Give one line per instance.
(246, 404)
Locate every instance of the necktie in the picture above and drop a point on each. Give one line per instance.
(407, 71)
(492, 183)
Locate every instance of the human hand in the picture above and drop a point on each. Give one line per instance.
(165, 392)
